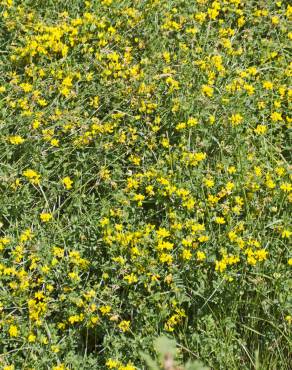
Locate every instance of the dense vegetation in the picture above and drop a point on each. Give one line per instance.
(145, 182)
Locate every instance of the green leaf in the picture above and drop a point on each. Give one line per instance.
(149, 362)
(164, 345)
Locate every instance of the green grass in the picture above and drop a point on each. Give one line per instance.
(145, 183)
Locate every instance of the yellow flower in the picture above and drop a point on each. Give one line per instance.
(129, 366)
(95, 102)
(139, 198)
(13, 331)
(45, 269)
(192, 121)
(132, 278)
(75, 318)
(105, 309)
(165, 142)
(276, 117)
(249, 89)
(162, 232)
(280, 171)
(26, 235)
(73, 276)
(94, 320)
(275, 20)
(26, 87)
(270, 184)
(200, 17)
(220, 220)
(181, 126)
(65, 91)
(45, 217)
(241, 21)
(106, 2)
(209, 182)
(124, 326)
(236, 119)
(268, 85)
(186, 254)
(286, 187)
(55, 142)
(16, 140)
(172, 83)
(231, 169)
(55, 348)
(203, 238)
(112, 363)
(201, 256)
(212, 119)
(286, 234)
(261, 254)
(260, 129)
(59, 367)
(67, 182)
(104, 221)
(166, 258)
(31, 338)
(67, 81)
(32, 176)
(207, 90)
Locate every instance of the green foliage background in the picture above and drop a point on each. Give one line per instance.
(145, 182)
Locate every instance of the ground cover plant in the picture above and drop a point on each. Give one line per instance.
(145, 185)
